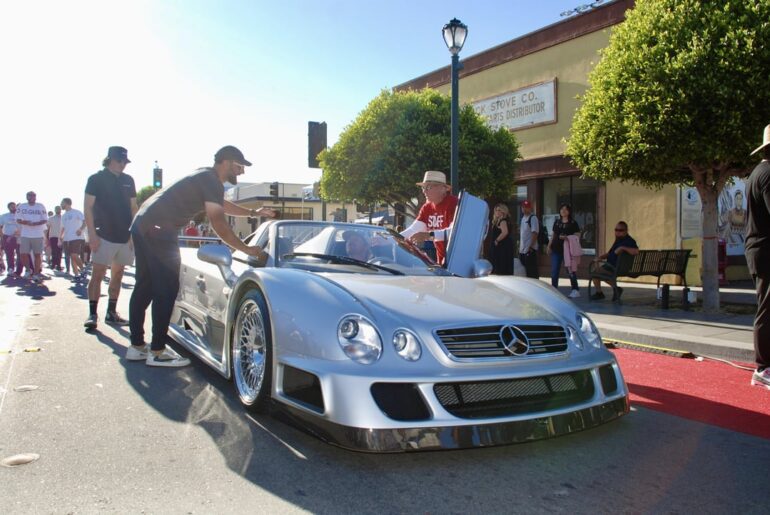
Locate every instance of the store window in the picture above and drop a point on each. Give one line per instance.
(581, 195)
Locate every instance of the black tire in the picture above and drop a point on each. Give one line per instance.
(251, 353)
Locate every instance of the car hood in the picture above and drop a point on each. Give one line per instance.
(441, 300)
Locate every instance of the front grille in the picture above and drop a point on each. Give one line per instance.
(485, 342)
(515, 396)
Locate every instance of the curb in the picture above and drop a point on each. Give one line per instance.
(699, 346)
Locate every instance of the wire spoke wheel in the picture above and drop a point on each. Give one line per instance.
(250, 352)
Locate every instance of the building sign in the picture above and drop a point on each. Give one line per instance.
(522, 108)
(731, 215)
(692, 226)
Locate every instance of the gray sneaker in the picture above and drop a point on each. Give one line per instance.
(91, 322)
(167, 358)
(761, 378)
(115, 319)
(135, 353)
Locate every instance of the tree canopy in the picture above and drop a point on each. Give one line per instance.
(144, 193)
(680, 95)
(399, 135)
(681, 88)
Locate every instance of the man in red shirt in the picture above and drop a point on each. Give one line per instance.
(436, 215)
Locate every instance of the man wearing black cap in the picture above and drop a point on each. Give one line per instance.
(110, 205)
(155, 234)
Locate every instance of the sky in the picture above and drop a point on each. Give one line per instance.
(175, 80)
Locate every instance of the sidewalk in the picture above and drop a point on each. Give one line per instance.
(640, 319)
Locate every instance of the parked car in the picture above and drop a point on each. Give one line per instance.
(352, 334)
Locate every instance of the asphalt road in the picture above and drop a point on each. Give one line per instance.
(118, 436)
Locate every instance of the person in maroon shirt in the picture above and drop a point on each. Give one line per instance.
(436, 215)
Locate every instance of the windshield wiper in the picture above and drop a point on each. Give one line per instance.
(344, 260)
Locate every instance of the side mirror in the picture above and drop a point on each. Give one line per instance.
(222, 257)
(219, 255)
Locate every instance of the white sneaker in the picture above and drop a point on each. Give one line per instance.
(761, 378)
(574, 294)
(135, 353)
(27, 275)
(167, 358)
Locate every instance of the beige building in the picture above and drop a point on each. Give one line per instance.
(531, 86)
(293, 202)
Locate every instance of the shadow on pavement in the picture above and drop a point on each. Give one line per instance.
(702, 410)
(294, 465)
(26, 288)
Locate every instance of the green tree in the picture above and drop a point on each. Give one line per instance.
(398, 136)
(680, 96)
(143, 194)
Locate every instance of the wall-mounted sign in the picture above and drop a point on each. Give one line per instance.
(731, 211)
(522, 108)
(733, 216)
(692, 224)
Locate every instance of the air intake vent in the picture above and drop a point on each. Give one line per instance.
(515, 396)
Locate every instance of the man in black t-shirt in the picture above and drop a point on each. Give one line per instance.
(606, 272)
(155, 233)
(758, 257)
(110, 204)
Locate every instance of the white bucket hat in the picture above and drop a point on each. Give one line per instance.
(433, 177)
(765, 140)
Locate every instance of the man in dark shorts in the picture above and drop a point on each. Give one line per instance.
(606, 271)
(110, 205)
(155, 233)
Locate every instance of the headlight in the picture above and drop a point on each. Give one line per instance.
(588, 330)
(574, 337)
(407, 345)
(359, 339)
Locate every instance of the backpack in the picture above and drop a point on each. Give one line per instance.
(542, 236)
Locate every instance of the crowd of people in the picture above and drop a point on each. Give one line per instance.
(31, 235)
(112, 232)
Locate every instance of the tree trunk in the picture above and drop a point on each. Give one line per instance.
(709, 251)
(710, 183)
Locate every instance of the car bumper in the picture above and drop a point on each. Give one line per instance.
(452, 437)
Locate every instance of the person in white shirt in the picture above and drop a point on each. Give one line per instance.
(73, 225)
(33, 219)
(54, 229)
(529, 228)
(10, 230)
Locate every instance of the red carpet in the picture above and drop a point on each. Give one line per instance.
(707, 391)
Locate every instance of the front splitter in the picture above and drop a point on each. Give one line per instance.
(452, 437)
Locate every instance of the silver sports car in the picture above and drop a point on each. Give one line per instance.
(351, 333)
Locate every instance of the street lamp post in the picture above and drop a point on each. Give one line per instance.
(454, 34)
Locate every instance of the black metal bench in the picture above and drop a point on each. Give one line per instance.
(656, 263)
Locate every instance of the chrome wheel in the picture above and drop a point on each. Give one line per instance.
(250, 352)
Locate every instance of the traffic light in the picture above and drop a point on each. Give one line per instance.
(157, 178)
(274, 190)
(316, 142)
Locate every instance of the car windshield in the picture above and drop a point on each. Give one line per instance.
(349, 248)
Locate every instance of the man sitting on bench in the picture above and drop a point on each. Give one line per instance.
(606, 272)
